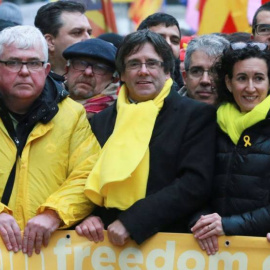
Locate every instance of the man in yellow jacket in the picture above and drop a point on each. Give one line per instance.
(44, 145)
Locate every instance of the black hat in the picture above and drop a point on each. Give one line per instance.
(94, 48)
(113, 38)
(4, 24)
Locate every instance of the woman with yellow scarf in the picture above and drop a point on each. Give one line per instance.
(241, 194)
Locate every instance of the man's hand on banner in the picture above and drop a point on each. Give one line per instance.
(10, 232)
(117, 233)
(92, 228)
(38, 231)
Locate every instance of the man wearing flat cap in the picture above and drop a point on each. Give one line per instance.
(90, 74)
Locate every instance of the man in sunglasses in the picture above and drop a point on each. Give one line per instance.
(261, 24)
(201, 54)
(90, 74)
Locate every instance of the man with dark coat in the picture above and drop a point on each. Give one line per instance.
(156, 150)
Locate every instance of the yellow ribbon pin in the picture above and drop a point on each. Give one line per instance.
(247, 141)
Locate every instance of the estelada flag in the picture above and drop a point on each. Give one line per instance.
(140, 9)
(223, 16)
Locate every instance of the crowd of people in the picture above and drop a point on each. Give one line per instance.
(109, 133)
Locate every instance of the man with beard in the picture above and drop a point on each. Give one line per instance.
(90, 72)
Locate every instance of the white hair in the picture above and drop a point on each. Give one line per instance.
(213, 45)
(23, 37)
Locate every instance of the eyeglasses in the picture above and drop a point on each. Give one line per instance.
(99, 69)
(197, 72)
(241, 45)
(15, 66)
(262, 29)
(150, 65)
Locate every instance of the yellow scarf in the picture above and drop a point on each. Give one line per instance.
(233, 122)
(119, 178)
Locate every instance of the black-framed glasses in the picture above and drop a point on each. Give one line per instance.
(15, 66)
(150, 65)
(197, 72)
(241, 45)
(97, 68)
(262, 29)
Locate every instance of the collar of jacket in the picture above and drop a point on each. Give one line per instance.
(45, 106)
(169, 99)
(58, 78)
(177, 75)
(183, 91)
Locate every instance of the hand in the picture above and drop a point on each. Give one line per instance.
(208, 226)
(117, 233)
(10, 232)
(92, 228)
(210, 245)
(268, 237)
(38, 231)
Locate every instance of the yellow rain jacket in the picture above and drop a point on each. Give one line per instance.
(52, 169)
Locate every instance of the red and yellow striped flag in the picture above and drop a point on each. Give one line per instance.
(140, 9)
(101, 16)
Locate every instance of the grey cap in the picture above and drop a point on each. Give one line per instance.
(11, 12)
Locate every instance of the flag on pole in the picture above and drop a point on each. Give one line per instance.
(101, 16)
(140, 9)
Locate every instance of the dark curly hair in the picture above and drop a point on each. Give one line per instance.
(226, 64)
(157, 19)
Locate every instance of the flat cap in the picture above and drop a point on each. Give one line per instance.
(95, 48)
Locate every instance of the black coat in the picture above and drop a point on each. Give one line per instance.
(181, 167)
(242, 182)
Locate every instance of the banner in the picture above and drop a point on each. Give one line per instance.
(164, 251)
